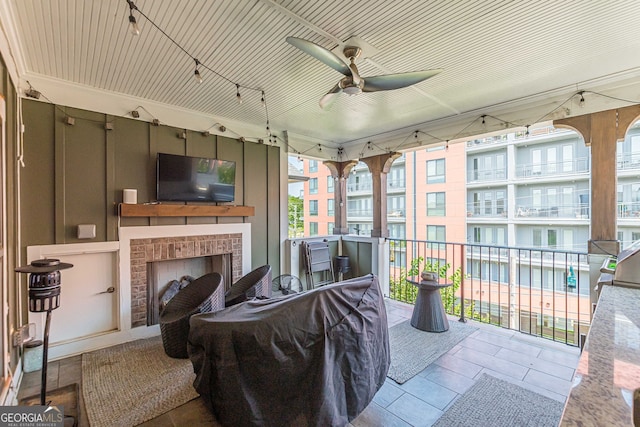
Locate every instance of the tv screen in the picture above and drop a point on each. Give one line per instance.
(195, 179)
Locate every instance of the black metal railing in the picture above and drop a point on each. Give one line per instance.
(537, 291)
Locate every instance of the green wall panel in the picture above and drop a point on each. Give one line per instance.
(84, 168)
(132, 164)
(256, 187)
(37, 177)
(273, 209)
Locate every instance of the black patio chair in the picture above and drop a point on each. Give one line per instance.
(245, 288)
(201, 296)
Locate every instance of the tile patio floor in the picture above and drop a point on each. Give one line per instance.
(534, 363)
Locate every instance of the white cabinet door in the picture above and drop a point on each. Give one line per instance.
(89, 292)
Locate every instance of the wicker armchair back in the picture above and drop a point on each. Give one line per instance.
(243, 288)
(203, 295)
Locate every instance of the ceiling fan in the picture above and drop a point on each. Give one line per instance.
(353, 83)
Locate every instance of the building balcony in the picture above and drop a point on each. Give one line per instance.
(553, 171)
(484, 176)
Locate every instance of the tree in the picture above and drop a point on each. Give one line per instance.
(296, 216)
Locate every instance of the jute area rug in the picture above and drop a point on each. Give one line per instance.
(497, 403)
(412, 350)
(131, 383)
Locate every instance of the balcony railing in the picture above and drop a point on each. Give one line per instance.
(362, 186)
(487, 175)
(628, 209)
(535, 170)
(628, 161)
(535, 291)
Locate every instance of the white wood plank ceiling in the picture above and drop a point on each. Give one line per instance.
(513, 59)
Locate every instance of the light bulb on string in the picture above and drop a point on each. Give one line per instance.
(238, 97)
(133, 24)
(446, 146)
(484, 122)
(581, 102)
(196, 73)
(262, 101)
(526, 134)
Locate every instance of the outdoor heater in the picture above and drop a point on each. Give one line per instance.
(44, 296)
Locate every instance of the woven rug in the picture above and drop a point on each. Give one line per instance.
(497, 403)
(412, 350)
(131, 383)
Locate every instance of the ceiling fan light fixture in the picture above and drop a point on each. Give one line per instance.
(352, 90)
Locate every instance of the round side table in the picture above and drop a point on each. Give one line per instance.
(428, 312)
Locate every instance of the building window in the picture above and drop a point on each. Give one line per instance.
(330, 182)
(476, 203)
(477, 237)
(537, 238)
(436, 204)
(567, 158)
(536, 162)
(436, 233)
(500, 203)
(435, 171)
(501, 170)
(552, 238)
(313, 207)
(313, 186)
(488, 203)
(330, 227)
(331, 207)
(313, 228)
(313, 166)
(395, 206)
(397, 231)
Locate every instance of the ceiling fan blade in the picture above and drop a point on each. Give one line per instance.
(397, 81)
(321, 54)
(328, 99)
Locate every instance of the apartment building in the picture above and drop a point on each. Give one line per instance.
(517, 189)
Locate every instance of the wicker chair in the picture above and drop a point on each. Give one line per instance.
(246, 286)
(203, 295)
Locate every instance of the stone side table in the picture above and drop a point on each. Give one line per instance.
(428, 312)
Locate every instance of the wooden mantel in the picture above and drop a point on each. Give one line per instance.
(162, 210)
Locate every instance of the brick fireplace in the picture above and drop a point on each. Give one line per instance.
(146, 251)
(141, 246)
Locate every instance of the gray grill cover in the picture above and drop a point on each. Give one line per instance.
(314, 358)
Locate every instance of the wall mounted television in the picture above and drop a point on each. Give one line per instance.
(194, 179)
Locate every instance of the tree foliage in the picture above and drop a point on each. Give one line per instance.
(296, 216)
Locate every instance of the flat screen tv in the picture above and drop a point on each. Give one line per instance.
(195, 179)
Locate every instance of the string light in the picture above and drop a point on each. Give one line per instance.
(268, 129)
(238, 97)
(446, 146)
(135, 30)
(581, 102)
(199, 65)
(484, 123)
(196, 73)
(526, 134)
